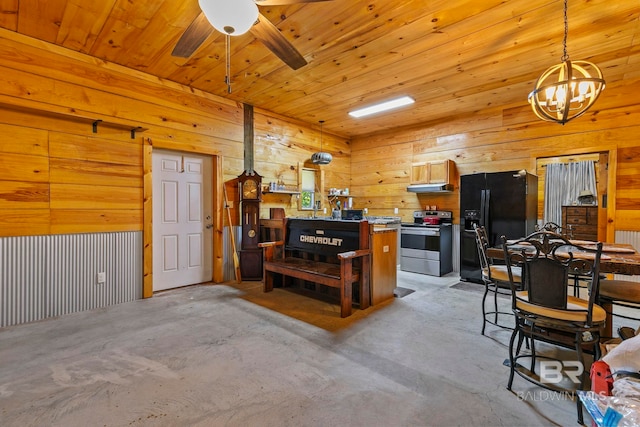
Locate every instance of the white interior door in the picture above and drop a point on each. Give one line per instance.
(182, 211)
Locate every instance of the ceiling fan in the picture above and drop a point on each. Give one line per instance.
(235, 17)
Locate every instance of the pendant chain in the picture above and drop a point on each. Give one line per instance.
(227, 77)
(565, 56)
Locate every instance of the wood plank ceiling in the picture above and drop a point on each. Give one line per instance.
(454, 57)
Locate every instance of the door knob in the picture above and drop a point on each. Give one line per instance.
(209, 226)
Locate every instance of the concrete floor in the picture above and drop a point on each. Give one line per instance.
(230, 355)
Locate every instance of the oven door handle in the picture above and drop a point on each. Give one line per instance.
(424, 232)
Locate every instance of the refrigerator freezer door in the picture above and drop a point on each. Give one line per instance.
(471, 187)
(469, 258)
(472, 198)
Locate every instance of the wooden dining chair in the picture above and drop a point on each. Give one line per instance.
(545, 312)
(496, 282)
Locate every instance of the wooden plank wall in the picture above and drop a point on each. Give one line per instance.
(282, 144)
(500, 139)
(55, 182)
(58, 176)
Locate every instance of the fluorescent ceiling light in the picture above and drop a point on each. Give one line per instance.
(383, 106)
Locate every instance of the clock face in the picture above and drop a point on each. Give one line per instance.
(250, 189)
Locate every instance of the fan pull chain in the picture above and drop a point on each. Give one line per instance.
(227, 77)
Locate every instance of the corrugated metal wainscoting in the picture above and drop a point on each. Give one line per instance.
(632, 238)
(47, 276)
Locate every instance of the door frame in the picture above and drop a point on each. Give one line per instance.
(147, 208)
(611, 173)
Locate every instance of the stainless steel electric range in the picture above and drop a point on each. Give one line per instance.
(426, 243)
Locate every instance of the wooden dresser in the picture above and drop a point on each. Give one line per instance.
(580, 222)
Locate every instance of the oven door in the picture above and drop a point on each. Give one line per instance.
(420, 250)
(420, 239)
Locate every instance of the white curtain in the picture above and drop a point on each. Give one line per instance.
(563, 184)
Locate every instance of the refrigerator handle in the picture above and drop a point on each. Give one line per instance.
(486, 202)
(484, 221)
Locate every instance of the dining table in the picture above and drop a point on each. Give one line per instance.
(616, 258)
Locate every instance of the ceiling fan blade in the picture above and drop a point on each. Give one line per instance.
(284, 2)
(193, 37)
(272, 38)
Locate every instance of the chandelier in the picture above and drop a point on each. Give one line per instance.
(567, 90)
(230, 17)
(321, 158)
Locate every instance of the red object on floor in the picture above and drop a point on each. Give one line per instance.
(601, 378)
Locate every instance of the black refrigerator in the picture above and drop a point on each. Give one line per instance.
(505, 203)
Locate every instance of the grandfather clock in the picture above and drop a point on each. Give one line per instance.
(250, 254)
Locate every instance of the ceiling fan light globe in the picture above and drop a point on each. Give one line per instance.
(232, 17)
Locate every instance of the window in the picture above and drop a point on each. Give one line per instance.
(311, 185)
(307, 189)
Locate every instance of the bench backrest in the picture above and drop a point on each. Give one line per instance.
(325, 237)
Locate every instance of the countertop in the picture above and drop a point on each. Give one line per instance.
(382, 228)
(370, 219)
(384, 219)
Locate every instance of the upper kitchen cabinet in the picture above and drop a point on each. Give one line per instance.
(436, 172)
(433, 177)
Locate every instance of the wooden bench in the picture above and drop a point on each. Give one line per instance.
(330, 253)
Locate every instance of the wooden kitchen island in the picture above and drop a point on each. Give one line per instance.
(380, 238)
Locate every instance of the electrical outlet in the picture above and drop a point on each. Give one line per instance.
(395, 210)
(102, 277)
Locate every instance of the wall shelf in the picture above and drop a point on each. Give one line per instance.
(132, 129)
(280, 192)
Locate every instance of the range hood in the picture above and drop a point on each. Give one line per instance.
(430, 188)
